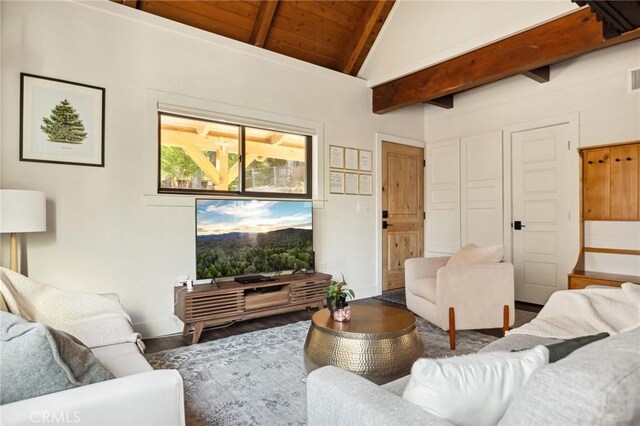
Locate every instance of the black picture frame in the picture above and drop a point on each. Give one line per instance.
(73, 133)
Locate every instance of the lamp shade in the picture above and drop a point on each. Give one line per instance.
(22, 211)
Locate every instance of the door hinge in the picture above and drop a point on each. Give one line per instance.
(424, 215)
(569, 145)
(424, 163)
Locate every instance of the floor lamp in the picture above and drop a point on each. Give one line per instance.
(21, 211)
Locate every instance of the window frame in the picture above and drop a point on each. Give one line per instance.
(241, 192)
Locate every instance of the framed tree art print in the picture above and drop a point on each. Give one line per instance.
(61, 121)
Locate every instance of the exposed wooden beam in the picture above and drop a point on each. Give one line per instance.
(549, 43)
(361, 35)
(618, 16)
(278, 138)
(445, 102)
(541, 75)
(131, 3)
(262, 23)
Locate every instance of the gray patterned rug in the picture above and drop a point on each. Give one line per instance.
(258, 378)
(393, 296)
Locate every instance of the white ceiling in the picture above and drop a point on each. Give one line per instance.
(421, 33)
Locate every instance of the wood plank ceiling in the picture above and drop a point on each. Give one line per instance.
(333, 34)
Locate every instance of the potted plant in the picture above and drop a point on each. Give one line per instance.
(337, 294)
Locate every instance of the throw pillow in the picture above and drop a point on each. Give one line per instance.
(472, 254)
(557, 351)
(473, 389)
(38, 360)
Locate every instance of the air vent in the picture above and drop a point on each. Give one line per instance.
(634, 80)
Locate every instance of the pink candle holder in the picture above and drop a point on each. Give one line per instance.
(342, 314)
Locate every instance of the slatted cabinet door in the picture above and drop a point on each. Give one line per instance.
(596, 175)
(623, 189)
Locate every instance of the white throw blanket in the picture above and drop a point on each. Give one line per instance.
(575, 313)
(93, 319)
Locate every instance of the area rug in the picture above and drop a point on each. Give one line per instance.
(258, 378)
(393, 296)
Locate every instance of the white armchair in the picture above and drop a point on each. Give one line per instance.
(460, 297)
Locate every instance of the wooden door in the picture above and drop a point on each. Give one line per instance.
(403, 210)
(595, 184)
(623, 189)
(539, 205)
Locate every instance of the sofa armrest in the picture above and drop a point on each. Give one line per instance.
(338, 397)
(478, 294)
(423, 267)
(151, 398)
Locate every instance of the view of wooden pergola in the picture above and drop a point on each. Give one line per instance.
(197, 137)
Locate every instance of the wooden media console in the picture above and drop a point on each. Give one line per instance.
(214, 304)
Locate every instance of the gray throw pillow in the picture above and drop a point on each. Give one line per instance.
(557, 351)
(38, 360)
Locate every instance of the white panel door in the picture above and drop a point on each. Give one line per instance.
(481, 207)
(539, 165)
(443, 197)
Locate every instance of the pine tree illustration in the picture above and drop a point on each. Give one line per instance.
(64, 124)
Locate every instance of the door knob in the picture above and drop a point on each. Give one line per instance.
(517, 225)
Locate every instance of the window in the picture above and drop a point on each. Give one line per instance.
(204, 156)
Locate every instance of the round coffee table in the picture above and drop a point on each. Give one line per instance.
(380, 342)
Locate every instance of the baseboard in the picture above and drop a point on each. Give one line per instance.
(365, 292)
(159, 327)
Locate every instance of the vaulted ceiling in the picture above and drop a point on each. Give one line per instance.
(339, 34)
(333, 34)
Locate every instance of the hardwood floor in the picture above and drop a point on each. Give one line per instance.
(175, 341)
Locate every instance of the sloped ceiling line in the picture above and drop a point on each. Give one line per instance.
(335, 34)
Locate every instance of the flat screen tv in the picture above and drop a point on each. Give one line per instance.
(247, 237)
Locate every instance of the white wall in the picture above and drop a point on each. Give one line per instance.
(103, 234)
(420, 33)
(594, 86)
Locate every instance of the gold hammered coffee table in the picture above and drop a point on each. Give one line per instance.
(380, 342)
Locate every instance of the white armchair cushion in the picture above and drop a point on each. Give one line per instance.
(472, 254)
(423, 287)
(474, 389)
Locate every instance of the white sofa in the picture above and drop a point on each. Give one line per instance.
(138, 395)
(598, 384)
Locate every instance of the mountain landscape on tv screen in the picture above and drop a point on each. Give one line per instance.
(239, 253)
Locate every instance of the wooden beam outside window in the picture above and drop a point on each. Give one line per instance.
(555, 41)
